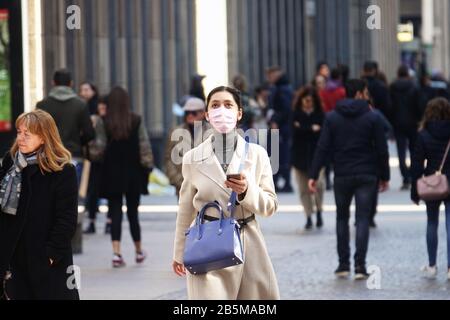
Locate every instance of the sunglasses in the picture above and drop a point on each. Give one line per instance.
(194, 113)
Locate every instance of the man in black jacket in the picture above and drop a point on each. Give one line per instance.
(406, 115)
(353, 137)
(378, 91)
(70, 114)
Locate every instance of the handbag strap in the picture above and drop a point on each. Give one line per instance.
(445, 158)
(233, 198)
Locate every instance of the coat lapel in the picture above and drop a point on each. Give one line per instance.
(209, 166)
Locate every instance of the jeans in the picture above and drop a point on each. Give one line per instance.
(405, 139)
(115, 209)
(364, 189)
(432, 230)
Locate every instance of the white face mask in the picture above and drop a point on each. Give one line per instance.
(223, 119)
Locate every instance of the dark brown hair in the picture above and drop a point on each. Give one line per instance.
(305, 92)
(234, 92)
(118, 120)
(437, 109)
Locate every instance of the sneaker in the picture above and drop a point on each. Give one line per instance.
(140, 256)
(90, 229)
(361, 273)
(118, 261)
(319, 222)
(309, 224)
(108, 228)
(429, 272)
(343, 271)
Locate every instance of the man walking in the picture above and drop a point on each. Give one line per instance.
(71, 116)
(353, 137)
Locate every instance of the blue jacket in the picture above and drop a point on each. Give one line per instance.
(430, 146)
(353, 138)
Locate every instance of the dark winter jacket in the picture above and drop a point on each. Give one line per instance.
(280, 101)
(430, 147)
(353, 137)
(304, 139)
(405, 108)
(380, 95)
(123, 168)
(72, 118)
(42, 229)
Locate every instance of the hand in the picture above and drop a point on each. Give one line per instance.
(296, 124)
(383, 186)
(179, 269)
(316, 128)
(238, 186)
(312, 185)
(51, 261)
(273, 126)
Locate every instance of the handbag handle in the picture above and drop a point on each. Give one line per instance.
(201, 215)
(444, 159)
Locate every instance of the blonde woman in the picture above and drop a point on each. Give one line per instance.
(205, 169)
(38, 217)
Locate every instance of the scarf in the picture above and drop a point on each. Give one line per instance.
(11, 184)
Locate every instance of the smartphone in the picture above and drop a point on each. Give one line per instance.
(237, 176)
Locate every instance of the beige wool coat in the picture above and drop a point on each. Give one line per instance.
(204, 181)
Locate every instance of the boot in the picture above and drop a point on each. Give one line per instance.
(319, 222)
(309, 224)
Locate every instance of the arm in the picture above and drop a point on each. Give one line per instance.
(145, 148)
(261, 199)
(417, 167)
(87, 130)
(322, 150)
(382, 151)
(66, 214)
(186, 211)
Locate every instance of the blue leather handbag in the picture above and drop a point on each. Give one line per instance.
(213, 245)
(216, 244)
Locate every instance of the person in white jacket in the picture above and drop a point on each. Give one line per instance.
(205, 169)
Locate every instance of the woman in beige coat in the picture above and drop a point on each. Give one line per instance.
(205, 170)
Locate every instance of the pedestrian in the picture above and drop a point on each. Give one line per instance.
(197, 90)
(205, 170)
(89, 93)
(94, 153)
(432, 142)
(71, 116)
(248, 118)
(323, 69)
(280, 104)
(38, 214)
(333, 92)
(127, 163)
(193, 132)
(405, 116)
(353, 137)
(307, 124)
(379, 91)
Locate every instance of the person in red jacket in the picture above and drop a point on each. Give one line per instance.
(333, 92)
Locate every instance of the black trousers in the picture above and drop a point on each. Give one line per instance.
(406, 139)
(92, 196)
(115, 210)
(364, 189)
